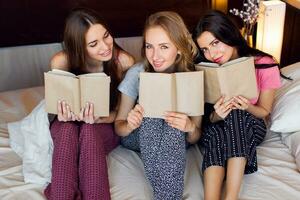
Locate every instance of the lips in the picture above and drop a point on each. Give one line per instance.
(106, 53)
(218, 60)
(157, 64)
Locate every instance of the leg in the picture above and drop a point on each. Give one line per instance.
(235, 173)
(213, 161)
(64, 182)
(242, 131)
(96, 141)
(163, 153)
(213, 180)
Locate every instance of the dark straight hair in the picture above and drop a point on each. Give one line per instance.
(219, 24)
(227, 32)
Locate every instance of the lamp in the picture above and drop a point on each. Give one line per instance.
(220, 5)
(270, 27)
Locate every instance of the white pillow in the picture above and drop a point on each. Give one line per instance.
(293, 143)
(285, 116)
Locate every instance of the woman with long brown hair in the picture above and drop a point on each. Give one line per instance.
(82, 142)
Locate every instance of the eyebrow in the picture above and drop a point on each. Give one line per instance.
(92, 42)
(212, 41)
(106, 32)
(165, 43)
(209, 43)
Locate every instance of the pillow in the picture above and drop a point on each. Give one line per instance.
(285, 116)
(30, 138)
(293, 143)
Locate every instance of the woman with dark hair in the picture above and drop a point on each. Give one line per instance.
(82, 142)
(232, 129)
(168, 47)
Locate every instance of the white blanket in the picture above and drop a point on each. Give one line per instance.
(30, 138)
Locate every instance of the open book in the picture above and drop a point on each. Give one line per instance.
(236, 77)
(181, 92)
(77, 90)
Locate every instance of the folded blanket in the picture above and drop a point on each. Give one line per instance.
(30, 138)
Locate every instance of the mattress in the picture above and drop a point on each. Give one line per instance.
(277, 177)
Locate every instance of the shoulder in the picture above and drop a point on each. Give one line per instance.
(135, 69)
(130, 83)
(59, 61)
(125, 60)
(264, 60)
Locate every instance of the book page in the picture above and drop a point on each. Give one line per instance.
(61, 72)
(239, 79)
(190, 93)
(61, 87)
(209, 64)
(95, 88)
(156, 94)
(212, 90)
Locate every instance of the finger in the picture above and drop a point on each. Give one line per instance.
(80, 116)
(64, 110)
(139, 108)
(91, 113)
(86, 110)
(73, 117)
(134, 118)
(219, 102)
(245, 100)
(237, 105)
(68, 112)
(133, 123)
(59, 107)
(227, 112)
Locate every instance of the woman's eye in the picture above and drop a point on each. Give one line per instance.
(204, 50)
(216, 42)
(164, 47)
(93, 44)
(106, 35)
(147, 46)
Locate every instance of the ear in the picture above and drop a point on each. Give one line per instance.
(179, 52)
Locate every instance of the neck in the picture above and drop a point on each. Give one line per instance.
(95, 66)
(170, 69)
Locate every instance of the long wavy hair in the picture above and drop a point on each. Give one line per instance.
(178, 33)
(77, 24)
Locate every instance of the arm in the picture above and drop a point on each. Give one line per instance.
(129, 117)
(126, 61)
(59, 61)
(190, 125)
(263, 106)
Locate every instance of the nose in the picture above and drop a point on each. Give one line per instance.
(104, 46)
(212, 52)
(155, 54)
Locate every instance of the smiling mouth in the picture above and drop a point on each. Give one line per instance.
(157, 64)
(218, 59)
(106, 53)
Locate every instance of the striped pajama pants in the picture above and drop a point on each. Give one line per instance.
(79, 169)
(163, 152)
(235, 136)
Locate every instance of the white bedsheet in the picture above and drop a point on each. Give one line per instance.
(276, 179)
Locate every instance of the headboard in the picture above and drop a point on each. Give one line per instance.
(31, 31)
(25, 22)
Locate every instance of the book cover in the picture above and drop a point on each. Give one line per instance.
(179, 92)
(236, 77)
(77, 90)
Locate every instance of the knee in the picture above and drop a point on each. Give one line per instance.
(64, 131)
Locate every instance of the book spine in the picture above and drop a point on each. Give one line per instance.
(174, 92)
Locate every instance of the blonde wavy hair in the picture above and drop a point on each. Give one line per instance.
(174, 26)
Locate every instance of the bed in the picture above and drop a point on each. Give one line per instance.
(277, 178)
